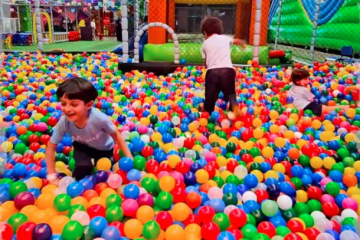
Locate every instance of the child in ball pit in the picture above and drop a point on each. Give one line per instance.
(220, 74)
(92, 131)
(303, 98)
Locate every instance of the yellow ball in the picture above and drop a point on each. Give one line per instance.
(278, 167)
(351, 112)
(316, 162)
(133, 228)
(202, 176)
(259, 175)
(274, 129)
(271, 174)
(328, 162)
(174, 232)
(280, 142)
(257, 122)
(7, 146)
(267, 152)
(167, 183)
(301, 196)
(258, 133)
(103, 164)
(350, 137)
(316, 124)
(173, 160)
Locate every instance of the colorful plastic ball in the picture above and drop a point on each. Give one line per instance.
(41, 231)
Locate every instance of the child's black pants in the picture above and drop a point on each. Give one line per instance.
(216, 80)
(83, 155)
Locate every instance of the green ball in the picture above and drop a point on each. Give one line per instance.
(62, 202)
(16, 220)
(164, 200)
(151, 230)
(297, 182)
(350, 221)
(251, 219)
(332, 188)
(343, 152)
(233, 179)
(73, 230)
(230, 147)
(76, 208)
(282, 231)
(314, 205)
(114, 213)
(258, 216)
(20, 148)
(249, 231)
(113, 199)
(304, 160)
(230, 199)
(148, 184)
(289, 214)
(220, 182)
(308, 220)
(255, 152)
(139, 163)
(269, 208)
(301, 208)
(222, 220)
(260, 236)
(16, 188)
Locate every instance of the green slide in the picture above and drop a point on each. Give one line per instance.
(338, 26)
(191, 53)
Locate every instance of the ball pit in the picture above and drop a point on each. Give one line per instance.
(275, 173)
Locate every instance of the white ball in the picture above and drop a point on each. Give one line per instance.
(229, 208)
(324, 236)
(284, 202)
(348, 234)
(215, 192)
(240, 171)
(247, 196)
(349, 213)
(82, 217)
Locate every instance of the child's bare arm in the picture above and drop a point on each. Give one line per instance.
(50, 157)
(239, 42)
(121, 143)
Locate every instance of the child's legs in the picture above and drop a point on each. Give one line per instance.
(228, 85)
(212, 90)
(83, 164)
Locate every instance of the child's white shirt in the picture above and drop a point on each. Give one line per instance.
(301, 95)
(217, 51)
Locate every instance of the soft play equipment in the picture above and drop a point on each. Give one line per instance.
(191, 53)
(143, 41)
(338, 23)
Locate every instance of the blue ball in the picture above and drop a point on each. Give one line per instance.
(126, 164)
(131, 191)
(111, 233)
(251, 180)
(226, 236)
(97, 225)
(75, 189)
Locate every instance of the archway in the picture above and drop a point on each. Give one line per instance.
(157, 24)
(48, 19)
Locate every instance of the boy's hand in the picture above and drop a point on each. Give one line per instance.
(240, 42)
(52, 178)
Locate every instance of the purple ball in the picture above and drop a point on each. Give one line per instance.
(24, 199)
(145, 199)
(42, 231)
(101, 176)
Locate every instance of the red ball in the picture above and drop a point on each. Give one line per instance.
(295, 226)
(6, 231)
(193, 200)
(182, 167)
(164, 219)
(96, 210)
(330, 209)
(189, 143)
(24, 199)
(206, 214)
(238, 218)
(336, 226)
(314, 193)
(231, 165)
(35, 146)
(24, 232)
(210, 170)
(100, 187)
(267, 228)
(210, 231)
(292, 236)
(147, 151)
(261, 195)
(179, 195)
(192, 218)
(236, 232)
(311, 233)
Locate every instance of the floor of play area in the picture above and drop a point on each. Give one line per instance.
(78, 46)
(274, 173)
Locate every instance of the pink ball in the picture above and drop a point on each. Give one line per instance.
(130, 206)
(142, 129)
(210, 156)
(350, 203)
(177, 176)
(341, 88)
(42, 127)
(203, 139)
(283, 118)
(327, 198)
(24, 199)
(273, 137)
(131, 125)
(162, 173)
(188, 161)
(324, 181)
(145, 199)
(124, 128)
(58, 106)
(345, 125)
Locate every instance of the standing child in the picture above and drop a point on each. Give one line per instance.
(92, 131)
(220, 75)
(303, 98)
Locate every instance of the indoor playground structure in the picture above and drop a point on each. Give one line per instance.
(274, 172)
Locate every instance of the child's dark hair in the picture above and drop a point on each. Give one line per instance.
(298, 75)
(77, 88)
(211, 25)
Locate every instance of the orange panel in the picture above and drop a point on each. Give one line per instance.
(171, 16)
(252, 23)
(264, 22)
(157, 13)
(238, 24)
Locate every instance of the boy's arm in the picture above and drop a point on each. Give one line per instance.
(239, 42)
(50, 157)
(121, 143)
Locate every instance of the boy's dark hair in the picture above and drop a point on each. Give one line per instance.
(77, 88)
(298, 75)
(211, 25)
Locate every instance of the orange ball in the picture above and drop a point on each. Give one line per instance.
(21, 130)
(89, 194)
(294, 153)
(350, 180)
